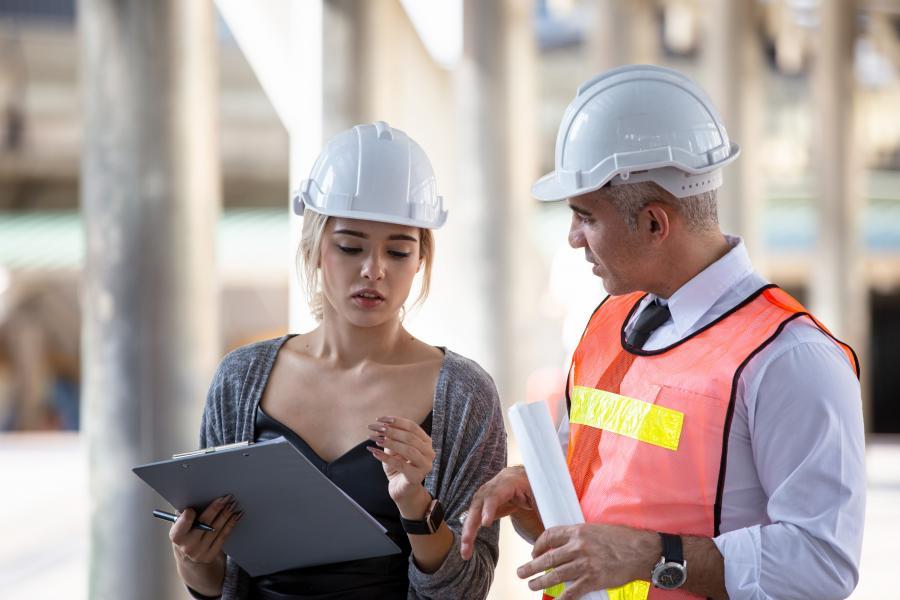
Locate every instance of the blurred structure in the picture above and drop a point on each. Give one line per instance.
(809, 88)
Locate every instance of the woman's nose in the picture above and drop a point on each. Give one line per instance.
(373, 267)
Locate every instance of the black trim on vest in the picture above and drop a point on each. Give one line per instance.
(637, 351)
(726, 430)
(726, 434)
(569, 373)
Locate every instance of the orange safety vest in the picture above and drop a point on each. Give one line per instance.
(649, 428)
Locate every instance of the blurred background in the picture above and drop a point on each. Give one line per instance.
(147, 150)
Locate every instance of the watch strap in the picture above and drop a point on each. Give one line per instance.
(434, 516)
(672, 548)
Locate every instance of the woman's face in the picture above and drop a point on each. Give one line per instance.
(368, 269)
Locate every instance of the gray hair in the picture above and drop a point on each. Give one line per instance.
(699, 211)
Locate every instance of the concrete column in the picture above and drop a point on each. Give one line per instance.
(624, 32)
(305, 78)
(733, 58)
(150, 189)
(839, 294)
(482, 198)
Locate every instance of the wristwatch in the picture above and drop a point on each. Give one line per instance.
(670, 572)
(434, 516)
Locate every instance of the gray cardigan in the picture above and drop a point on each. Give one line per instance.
(468, 437)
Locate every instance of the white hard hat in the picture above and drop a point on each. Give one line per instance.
(376, 173)
(638, 123)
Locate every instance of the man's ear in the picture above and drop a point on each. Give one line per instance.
(655, 221)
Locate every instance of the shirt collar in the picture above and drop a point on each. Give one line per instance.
(696, 297)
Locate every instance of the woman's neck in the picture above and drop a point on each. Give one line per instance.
(346, 345)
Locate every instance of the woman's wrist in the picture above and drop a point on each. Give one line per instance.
(205, 578)
(414, 505)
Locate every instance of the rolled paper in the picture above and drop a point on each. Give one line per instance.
(545, 466)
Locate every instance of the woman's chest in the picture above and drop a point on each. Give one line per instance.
(332, 413)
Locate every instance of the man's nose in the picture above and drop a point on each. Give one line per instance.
(576, 237)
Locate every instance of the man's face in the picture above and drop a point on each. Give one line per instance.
(609, 245)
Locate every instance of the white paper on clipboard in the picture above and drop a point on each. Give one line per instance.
(546, 469)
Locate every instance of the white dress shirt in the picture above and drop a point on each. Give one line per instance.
(794, 499)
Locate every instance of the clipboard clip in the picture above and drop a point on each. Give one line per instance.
(211, 449)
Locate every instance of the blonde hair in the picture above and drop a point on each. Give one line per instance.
(309, 254)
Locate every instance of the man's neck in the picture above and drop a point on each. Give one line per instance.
(689, 259)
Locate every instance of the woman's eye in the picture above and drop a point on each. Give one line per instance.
(349, 249)
(398, 254)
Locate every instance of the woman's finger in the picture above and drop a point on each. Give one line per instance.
(212, 510)
(405, 451)
(216, 547)
(181, 531)
(405, 425)
(391, 460)
(423, 445)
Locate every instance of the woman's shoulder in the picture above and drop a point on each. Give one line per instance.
(464, 375)
(257, 357)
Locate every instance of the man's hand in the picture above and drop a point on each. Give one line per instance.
(591, 557)
(507, 493)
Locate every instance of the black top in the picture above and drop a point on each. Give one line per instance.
(361, 476)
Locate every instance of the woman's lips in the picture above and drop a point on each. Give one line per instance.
(368, 299)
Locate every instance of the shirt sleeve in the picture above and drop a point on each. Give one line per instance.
(805, 420)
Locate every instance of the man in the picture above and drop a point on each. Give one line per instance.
(714, 429)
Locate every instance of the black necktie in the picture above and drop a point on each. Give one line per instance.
(651, 317)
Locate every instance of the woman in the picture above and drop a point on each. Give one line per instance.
(432, 417)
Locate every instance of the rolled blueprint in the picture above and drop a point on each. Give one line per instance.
(545, 466)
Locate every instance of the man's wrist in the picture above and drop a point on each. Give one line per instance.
(415, 507)
(648, 552)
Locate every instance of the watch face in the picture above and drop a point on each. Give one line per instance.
(670, 576)
(435, 516)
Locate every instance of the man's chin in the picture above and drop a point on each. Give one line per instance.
(615, 288)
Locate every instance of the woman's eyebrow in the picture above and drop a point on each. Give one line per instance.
(360, 234)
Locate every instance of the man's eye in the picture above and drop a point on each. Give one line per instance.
(349, 249)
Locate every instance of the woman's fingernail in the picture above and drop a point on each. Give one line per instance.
(386, 419)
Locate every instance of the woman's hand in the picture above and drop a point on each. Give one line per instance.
(198, 553)
(406, 454)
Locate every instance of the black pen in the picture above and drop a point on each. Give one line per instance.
(166, 516)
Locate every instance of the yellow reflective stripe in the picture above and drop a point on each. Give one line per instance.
(555, 591)
(635, 590)
(626, 416)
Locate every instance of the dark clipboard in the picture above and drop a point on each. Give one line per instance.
(294, 516)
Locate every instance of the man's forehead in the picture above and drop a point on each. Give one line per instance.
(585, 204)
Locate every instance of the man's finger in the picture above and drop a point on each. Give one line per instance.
(470, 527)
(555, 537)
(562, 573)
(552, 559)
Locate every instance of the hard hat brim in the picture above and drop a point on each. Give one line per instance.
(550, 188)
(381, 218)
